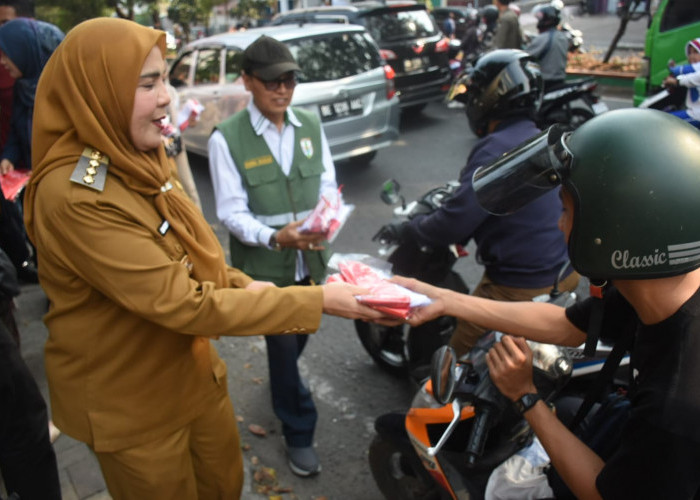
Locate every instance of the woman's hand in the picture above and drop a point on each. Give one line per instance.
(339, 300)
(510, 367)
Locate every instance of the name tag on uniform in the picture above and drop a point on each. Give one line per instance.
(164, 227)
(257, 162)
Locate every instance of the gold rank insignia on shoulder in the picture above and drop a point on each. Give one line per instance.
(91, 170)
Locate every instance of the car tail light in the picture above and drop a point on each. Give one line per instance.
(442, 46)
(389, 74)
(387, 55)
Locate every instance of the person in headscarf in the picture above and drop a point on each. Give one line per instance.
(26, 45)
(136, 278)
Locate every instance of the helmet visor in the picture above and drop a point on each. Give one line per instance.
(524, 174)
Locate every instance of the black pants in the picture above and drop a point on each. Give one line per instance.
(27, 458)
(291, 398)
(13, 238)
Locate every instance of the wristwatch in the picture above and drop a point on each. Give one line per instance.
(526, 402)
(274, 244)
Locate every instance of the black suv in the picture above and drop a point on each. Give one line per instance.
(408, 39)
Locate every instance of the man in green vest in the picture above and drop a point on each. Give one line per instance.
(270, 164)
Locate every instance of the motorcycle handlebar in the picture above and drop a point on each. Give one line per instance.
(479, 433)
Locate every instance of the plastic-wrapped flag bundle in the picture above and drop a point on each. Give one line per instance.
(384, 296)
(328, 216)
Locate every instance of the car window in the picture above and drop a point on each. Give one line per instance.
(331, 57)
(232, 69)
(680, 13)
(180, 72)
(208, 67)
(398, 25)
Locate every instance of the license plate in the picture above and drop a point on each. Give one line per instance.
(412, 64)
(600, 107)
(341, 109)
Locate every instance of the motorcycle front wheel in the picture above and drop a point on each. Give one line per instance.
(394, 472)
(400, 350)
(386, 345)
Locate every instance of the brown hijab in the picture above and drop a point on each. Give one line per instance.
(85, 97)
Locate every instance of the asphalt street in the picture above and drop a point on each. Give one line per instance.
(350, 391)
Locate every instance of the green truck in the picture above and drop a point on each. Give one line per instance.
(672, 25)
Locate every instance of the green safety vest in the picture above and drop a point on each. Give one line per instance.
(276, 199)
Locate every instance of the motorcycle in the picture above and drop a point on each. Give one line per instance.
(404, 350)
(459, 427)
(571, 103)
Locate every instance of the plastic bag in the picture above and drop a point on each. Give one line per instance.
(389, 298)
(328, 216)
(521, 476)
(13, 182)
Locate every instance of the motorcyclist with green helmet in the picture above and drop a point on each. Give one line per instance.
(629, 184)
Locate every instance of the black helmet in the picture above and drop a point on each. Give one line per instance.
(547, 16)
(471, 16)
(489, 14)
(634, 176)
(503, 83)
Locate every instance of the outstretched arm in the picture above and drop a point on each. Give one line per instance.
(537, 321)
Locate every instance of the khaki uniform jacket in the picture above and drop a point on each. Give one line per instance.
(128, 359)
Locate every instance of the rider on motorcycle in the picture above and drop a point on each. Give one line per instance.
(630, 217)
(550, 47)
(522, 253)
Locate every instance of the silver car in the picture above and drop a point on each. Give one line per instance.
(343, 80)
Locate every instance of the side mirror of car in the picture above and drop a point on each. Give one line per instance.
(442, 374)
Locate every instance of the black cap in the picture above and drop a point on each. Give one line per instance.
(268, 58)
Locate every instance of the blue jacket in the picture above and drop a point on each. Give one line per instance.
(524, 249)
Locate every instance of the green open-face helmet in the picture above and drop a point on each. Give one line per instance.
(634, 176)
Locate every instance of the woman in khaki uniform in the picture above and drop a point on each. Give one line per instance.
(136, 278)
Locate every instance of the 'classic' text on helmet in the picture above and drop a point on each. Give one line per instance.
(503, 83)
(634, 177)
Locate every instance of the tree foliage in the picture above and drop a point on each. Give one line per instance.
(252, 9)
(188, 13)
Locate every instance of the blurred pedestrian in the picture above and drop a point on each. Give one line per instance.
(136, 279)
(688, 76)
(27, 459)
(26, 45)
(507, 35)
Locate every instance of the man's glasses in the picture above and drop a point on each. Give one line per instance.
(289, 81)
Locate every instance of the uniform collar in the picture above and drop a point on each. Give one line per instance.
(260, 123)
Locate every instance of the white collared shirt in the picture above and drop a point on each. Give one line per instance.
(230, 194)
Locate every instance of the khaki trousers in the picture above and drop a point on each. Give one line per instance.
(466, 334)
(201, 461)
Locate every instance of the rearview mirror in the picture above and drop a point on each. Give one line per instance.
(390, 192)
(442, 374)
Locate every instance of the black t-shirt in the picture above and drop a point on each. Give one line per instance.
(659, 455)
